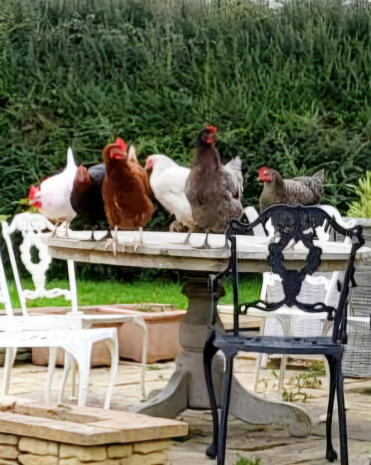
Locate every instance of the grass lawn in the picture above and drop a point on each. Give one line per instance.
(111, 292)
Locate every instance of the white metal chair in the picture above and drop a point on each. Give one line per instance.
(45, 331)
(31, 226)
(321, 287)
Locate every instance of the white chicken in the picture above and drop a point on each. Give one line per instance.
(52, 197)
(168, 180)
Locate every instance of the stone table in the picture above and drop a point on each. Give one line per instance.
(187, 388)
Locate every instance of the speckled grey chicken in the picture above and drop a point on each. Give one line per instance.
(214, 190)
(304, 190)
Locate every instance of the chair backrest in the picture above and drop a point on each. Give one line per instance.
(4, 291)
(294, 224)
(320, 287)
(31, 226)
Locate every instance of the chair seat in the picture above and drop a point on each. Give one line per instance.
(278, 345)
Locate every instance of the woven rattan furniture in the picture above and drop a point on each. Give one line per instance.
(293, 226)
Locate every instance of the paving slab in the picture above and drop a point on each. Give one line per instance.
(271, 446)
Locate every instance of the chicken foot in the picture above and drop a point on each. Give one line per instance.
(205, 244)
(108, 235)
(186, 240)
(56, 226)
(111, 243)
(139, 241)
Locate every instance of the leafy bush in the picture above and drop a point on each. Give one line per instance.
(287, 87)
(362, 208)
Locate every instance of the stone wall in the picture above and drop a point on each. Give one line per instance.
(15, 450)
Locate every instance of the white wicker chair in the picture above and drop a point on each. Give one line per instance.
(31, 226)
(291, 321)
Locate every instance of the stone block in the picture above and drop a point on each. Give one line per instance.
(8, 439)
(75, 461)
(151, 446)
(38, 446)
(8, 451)
(8, 462)
(119, 451)
(156, 458)
(85, 454)
(32, 459)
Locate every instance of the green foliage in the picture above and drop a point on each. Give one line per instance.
(245, 461)
(287, 87)
(362, 208)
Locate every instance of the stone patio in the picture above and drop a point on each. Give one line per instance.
(272, 446)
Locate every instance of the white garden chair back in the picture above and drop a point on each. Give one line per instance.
(4, 291)
(31, 226)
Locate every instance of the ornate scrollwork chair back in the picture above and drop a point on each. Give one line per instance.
(293, 225)
(31, 226)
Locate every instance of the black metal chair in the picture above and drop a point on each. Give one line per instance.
(292, 224)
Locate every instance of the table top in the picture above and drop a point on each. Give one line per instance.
(166, 250)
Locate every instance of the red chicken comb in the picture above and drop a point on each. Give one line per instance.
(121, 143)
(212, 128)
(262, 169)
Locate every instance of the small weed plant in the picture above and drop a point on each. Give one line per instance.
(245, 461)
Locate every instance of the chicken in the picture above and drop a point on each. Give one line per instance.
(304, 190)
(125, 190)
(168, 181)
(213, 190)
(52, 197)
(86, 195)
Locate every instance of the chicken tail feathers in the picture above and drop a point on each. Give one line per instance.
(234, 164)
(319, 175)
(70, 160)
(234, 167)
(132, 154)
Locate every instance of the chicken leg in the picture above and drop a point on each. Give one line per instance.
(112, 242)
(139, 241)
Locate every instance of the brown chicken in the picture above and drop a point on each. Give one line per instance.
(303, 190)
(213, 190)
(126, 192)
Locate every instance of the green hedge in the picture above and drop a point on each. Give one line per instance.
(287, 87)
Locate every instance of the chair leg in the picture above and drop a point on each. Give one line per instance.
(74, 375)
(341, 413)
(331, 454)
(10, 354)
(226, 397)
(67, 367)
(209, 351)
(83, 365)
(53, 352)
(113, 347)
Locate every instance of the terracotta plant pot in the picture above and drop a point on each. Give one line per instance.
(163, 333)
